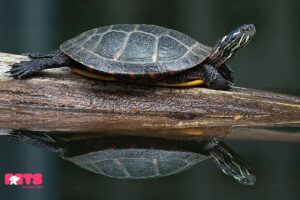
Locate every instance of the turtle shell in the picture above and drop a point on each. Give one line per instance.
(137, 49)
(137, 163)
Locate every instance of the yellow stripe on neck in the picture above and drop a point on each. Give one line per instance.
(111, 78)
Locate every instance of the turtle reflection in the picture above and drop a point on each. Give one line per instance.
(137, 157)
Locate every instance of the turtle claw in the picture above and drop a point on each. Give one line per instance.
(221, 84)
(229, 85)
(21, 70)
(17, 137)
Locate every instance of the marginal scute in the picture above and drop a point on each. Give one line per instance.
(123, 27)
(151, 69)
(153, 29)
(102, 29)
(130, 69)
(92, 42)
(170, 65)
(83, 54)
(93, 60)
(77, 40)
(188, 41)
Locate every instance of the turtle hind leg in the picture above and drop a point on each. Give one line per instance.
(38, 141)
(211, 77)
(49, 54)
(31, 67)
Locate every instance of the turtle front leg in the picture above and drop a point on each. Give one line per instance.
(226, 72)
(207, 73)
(213, 78)
(38, 63)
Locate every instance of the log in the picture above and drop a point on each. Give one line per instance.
(60, 100)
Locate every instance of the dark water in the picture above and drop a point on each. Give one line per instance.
(270, 61)
(275, 164)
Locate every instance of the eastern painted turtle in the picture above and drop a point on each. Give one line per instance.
(139, 157)
(143, 54)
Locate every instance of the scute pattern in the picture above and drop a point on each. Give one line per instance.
(92, 42)
(137, 163)
(109, 45)
(136, 49)
(139, 48)
(169, 49)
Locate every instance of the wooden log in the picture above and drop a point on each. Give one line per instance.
(60, 100)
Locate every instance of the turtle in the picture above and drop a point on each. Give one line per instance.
(140, 157)
(143, 54)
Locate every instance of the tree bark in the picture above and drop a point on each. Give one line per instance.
(60, 100)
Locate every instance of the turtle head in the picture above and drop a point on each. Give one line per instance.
(236, 169)
(229, 45)
(230, 162)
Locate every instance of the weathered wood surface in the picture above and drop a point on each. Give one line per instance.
(59, 100)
